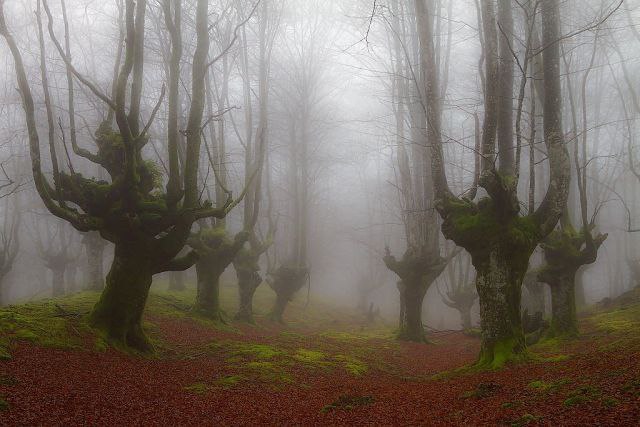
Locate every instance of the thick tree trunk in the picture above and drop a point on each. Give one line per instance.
(277, 313)
(248, 282)
(176, 281)
(563, 307)
(412, 297)
(57, 282)
(118, 313)
(208, 291)
(499, 283)
(403, 306)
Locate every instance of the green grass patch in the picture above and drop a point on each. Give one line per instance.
(229, 381)
(4, 405)
(352, 365)
(623, 320)
(481, 391)
(197, 388)
(610, 402)
(58, 323)
(632, 387)
(525, 420)
(582, 395)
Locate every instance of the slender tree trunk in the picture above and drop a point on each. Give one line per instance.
(118, 313)
(499, 283)
(57, 282)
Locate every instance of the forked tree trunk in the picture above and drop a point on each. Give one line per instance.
(248, 283)
(208, 290)
(563, 306)
(499, 284)
(118, 312)
(57, 282)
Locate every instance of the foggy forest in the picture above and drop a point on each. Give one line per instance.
(319, 212)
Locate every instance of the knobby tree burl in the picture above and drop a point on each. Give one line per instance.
(147, 225)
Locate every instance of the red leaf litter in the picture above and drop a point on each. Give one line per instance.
(53, 387)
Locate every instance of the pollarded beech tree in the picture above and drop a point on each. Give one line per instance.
(499, 239)
(421, 263)
(148, 226)
(247, 260)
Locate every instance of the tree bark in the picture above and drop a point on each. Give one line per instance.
(563, 306)
(499, 284)
(118, 313)
(248, 282)
(412, 294)
(277, 313)
(208, 291)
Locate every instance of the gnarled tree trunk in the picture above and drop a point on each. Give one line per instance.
(209, 271)
(248, 282)
(499, 280)
(563, 306)
(118, 312)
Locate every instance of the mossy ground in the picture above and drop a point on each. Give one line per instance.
(334, 364)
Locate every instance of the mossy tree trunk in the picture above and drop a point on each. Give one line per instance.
(248, 282)
(499, 281)
(286, 282)
(412, 295)
(417, 270)
(563, 306)
(566, 251)
(118, 313)
(209, 271)
(277, 312)
(216, 253)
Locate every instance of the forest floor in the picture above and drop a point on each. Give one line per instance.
(325, 367)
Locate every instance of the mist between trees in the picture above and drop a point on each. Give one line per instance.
(437, 164)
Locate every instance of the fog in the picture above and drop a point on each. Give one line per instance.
(302, 125)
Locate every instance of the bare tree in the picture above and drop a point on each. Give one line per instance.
(149, 227)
